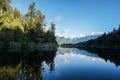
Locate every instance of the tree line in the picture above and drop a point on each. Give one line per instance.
(30, 27)
(107, 40)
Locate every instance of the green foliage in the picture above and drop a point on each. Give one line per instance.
(30, 27)
(1, 46)
(31, 46)
(4, 5)
(16, 13)
(110, 40)
(14, 46)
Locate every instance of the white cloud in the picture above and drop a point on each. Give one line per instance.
(81, 56)
(95, 33)
(65, 31)
(63, 59)
(58, 19)
(77, 36)
(50, 21)
(84, 35)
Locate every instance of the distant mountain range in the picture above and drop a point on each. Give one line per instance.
(74, 40)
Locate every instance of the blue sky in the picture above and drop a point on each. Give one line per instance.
(76, 17)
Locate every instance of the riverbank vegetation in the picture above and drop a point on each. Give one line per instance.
(17, 29)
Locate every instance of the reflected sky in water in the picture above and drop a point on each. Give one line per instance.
(63, 64)
(75, 64)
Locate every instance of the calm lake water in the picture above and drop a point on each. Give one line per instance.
(63, 64)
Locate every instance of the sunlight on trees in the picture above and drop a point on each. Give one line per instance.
(15, 27)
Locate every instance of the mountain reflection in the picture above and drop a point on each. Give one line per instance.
(25, 66)
(112, 55)
(65, 64)
(62, 53)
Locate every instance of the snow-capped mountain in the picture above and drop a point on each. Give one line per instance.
(74, 40)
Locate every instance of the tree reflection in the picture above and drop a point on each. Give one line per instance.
(25, 66)
(112, 55)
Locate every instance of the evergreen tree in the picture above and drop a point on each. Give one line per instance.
(15, 27)
(112, 39)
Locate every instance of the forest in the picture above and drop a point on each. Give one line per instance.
(19, 29)
(107, 40)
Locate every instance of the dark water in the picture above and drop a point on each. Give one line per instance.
(63, 64)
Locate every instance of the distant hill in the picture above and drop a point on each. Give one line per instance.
(63, 40)
(109, 40)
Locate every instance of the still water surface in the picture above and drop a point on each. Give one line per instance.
(75, 64)
(63, 64)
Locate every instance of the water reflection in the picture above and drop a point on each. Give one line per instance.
(63, 64)
(112, 55)
(79, 64)
(78, 53)
(25, 66)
